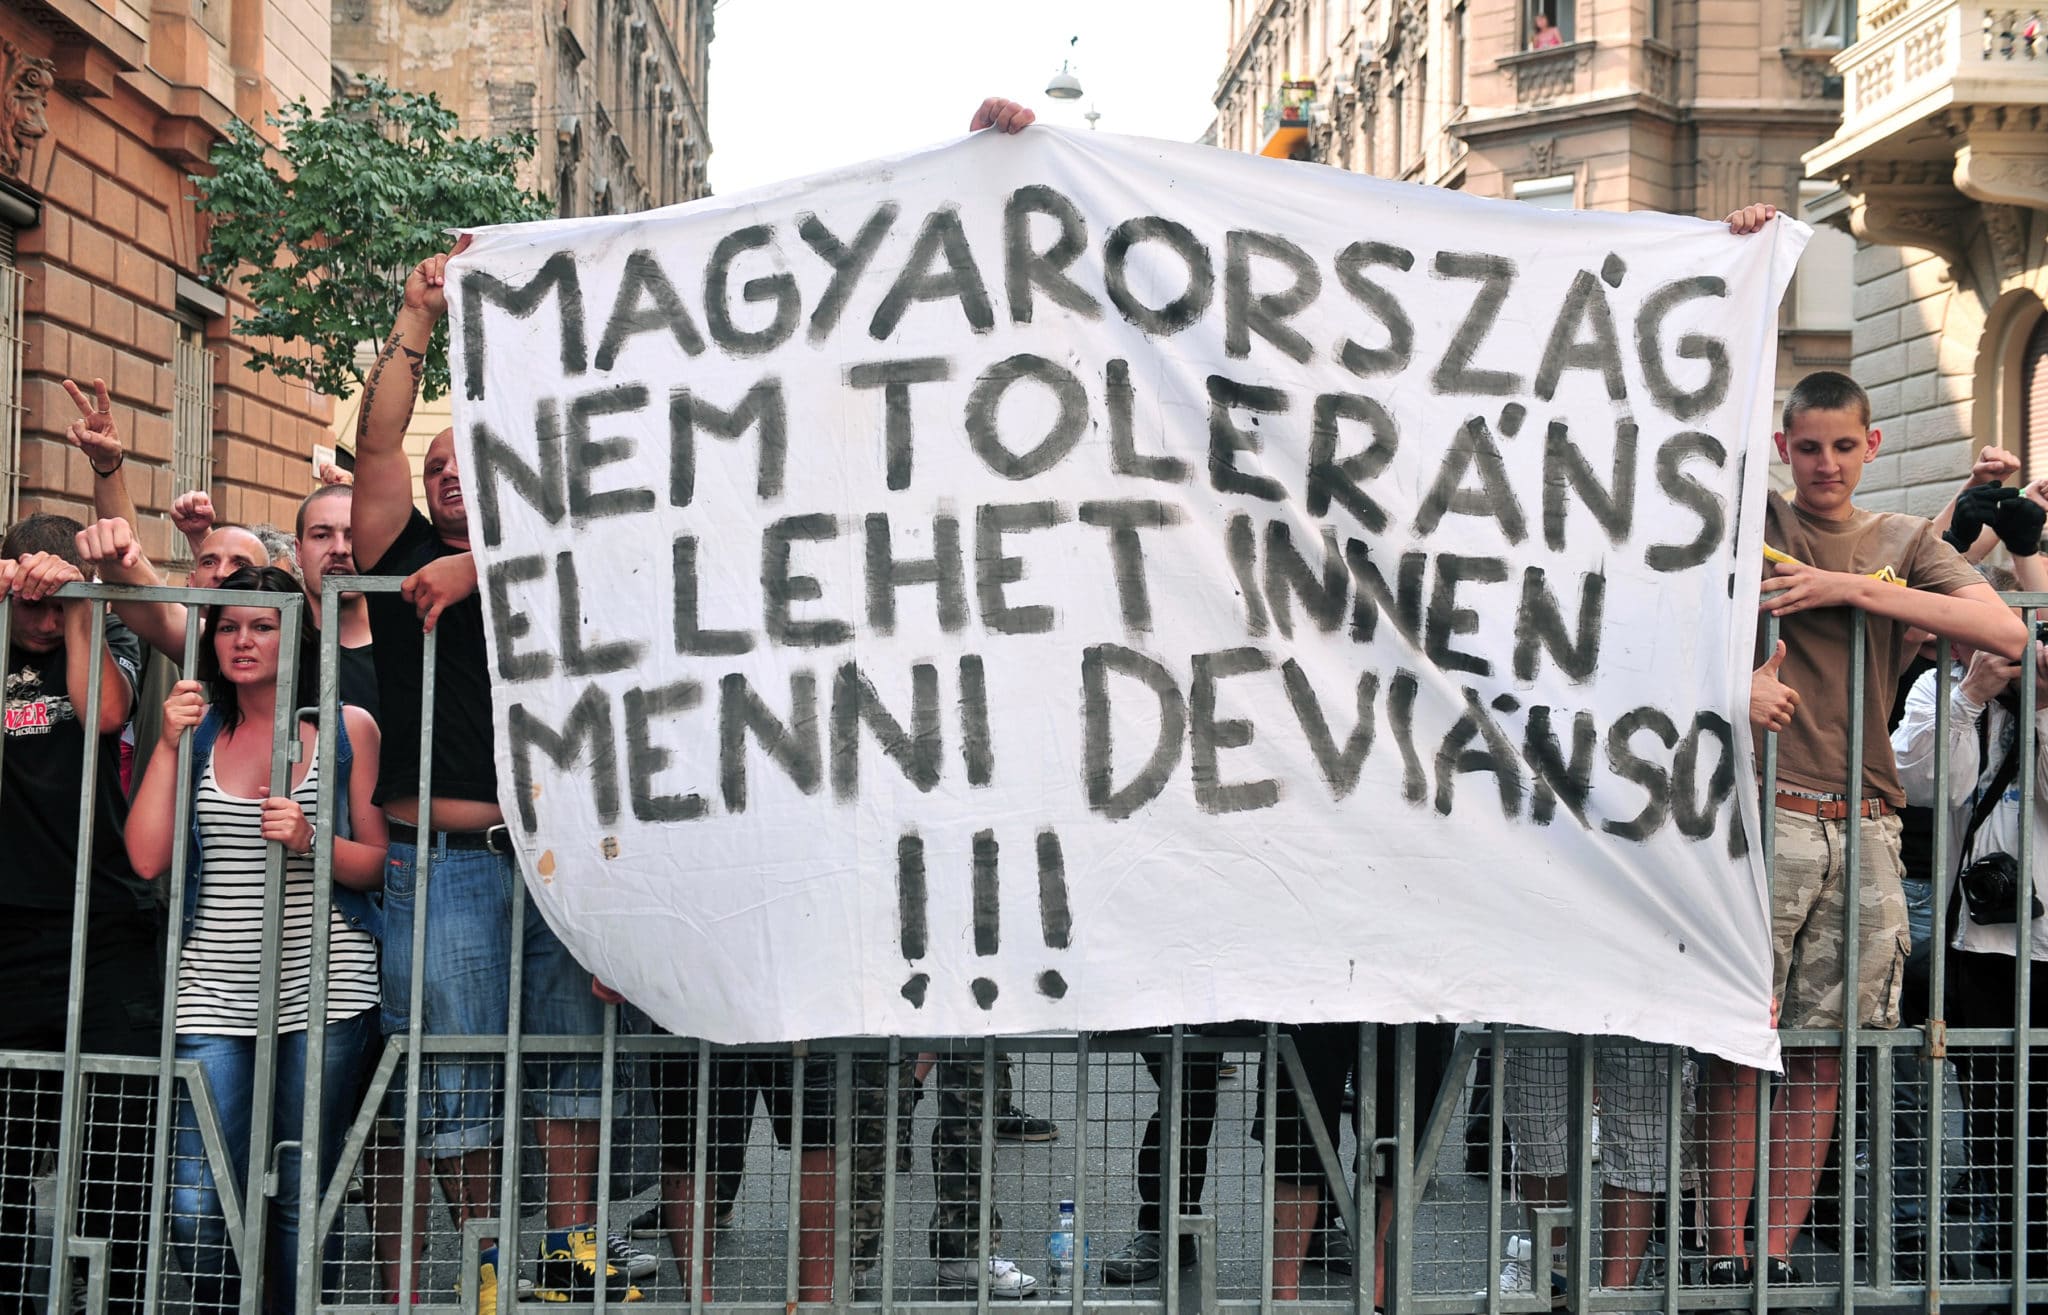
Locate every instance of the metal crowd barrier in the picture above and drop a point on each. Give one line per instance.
(1450, 1232)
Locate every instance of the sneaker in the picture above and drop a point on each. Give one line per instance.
(1138, 1261)
(1013, 1124)
(1004, 1278)
(1728, 1272)
(487, 1283)
(1518, 1274)
(638, 1264)
(568, 1269)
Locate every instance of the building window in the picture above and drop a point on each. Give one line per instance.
(191, 423)
(1559, 24)
(1828, 24)
(1419, 90)
(1557, 192)
(1458, 58)
(2034, 394)
(11, 297)
(1825, 283)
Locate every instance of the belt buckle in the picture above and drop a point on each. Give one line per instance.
(498, 839)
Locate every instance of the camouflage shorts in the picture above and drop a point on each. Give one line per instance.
(1809, 897)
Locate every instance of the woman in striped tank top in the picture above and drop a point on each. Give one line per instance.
(232, 823)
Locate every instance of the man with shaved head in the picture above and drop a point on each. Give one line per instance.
(469, 927)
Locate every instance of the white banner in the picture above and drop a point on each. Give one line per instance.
(1071, 581)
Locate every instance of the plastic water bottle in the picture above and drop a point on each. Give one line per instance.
(1059, 1247)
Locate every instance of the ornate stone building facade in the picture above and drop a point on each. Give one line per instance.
(105, 107)
(1941, 162)
(614, 90)
(1691, 106)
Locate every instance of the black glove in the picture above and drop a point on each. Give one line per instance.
(2018, 522)
(1975, 509)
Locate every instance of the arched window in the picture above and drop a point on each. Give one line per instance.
(2034, 393)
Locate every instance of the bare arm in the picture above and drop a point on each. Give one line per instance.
(1974, 614)
(383, 472)
(109, 547)
(115, 695)
(152, 815)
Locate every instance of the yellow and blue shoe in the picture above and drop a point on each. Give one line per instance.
(570, 1259)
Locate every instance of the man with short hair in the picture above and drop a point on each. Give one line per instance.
(326, 546)
(1832, 557)
(469, 928)
(42, 778)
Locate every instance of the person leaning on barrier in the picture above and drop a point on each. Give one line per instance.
(42, 779)
(232, 819)
(1842, 558)
(1988, 900)
(469, 929)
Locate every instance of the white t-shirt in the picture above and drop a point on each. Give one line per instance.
(1969, 772)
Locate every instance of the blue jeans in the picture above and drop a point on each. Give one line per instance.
(199, 1235)
(469, 950)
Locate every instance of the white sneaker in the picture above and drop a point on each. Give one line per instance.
(1004, 1278)
(1518, 1274)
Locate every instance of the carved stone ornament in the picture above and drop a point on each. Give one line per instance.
(353, 11)
(2006, 227)
(1543, 157)
(23, 121)
(430, 8)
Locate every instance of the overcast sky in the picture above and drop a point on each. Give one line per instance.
(803, 85)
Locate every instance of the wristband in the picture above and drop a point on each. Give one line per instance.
(103, 474)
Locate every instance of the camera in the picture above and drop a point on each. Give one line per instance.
(2041, 631)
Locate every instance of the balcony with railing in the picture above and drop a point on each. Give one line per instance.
(1284, 125)
(1924, 76)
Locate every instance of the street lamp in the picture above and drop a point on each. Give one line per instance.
(1092, 115)
(1064, 85)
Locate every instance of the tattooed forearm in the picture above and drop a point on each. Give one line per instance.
(392, 425)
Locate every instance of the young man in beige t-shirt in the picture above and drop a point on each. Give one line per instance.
(1899, 572)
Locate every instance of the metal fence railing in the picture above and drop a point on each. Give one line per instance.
(1507, 1170)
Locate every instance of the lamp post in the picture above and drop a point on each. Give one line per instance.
(1064, 85)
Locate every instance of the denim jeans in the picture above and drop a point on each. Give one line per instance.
(464, 993)
(199, 1235)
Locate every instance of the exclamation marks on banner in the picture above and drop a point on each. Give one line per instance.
(910, 906)
(1054, 918)
(913, 904)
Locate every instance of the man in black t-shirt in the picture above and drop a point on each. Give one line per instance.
(42, 780)
(469, 931)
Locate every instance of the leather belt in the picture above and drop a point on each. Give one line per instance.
(496, 839)
(1831, 809)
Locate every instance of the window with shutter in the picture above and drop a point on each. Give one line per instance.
(2034, 398)
(11, 299)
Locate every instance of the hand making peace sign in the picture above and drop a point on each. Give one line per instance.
(93, 433)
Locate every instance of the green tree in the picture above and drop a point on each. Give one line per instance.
(321, 230)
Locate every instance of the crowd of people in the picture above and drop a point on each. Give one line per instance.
(70, 661)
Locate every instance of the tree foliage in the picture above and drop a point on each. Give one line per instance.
(321, 230)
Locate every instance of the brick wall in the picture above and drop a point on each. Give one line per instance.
(102, 269)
